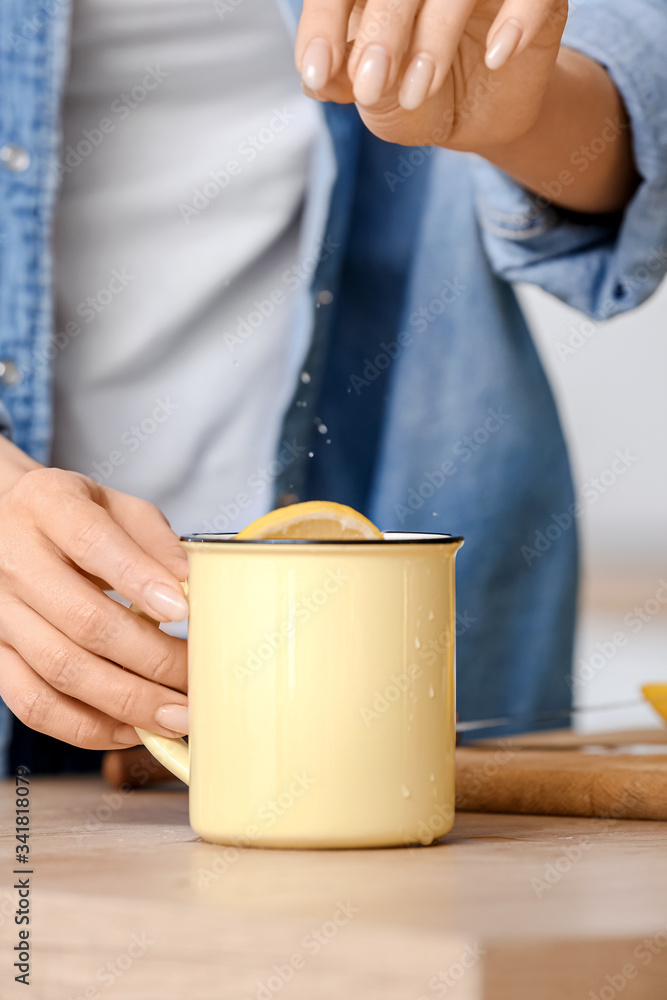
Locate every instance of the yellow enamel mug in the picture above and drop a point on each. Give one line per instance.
(321, 691)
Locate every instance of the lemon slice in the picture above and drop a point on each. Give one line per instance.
(657, 695)
(318, 520)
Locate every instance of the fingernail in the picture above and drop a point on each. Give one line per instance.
(416, 82)
(173, 717)
(316, 65)
(504, 44)
(168, 604)
(371, 75)
(127, 735)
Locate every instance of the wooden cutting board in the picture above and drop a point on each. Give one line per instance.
(611, 775)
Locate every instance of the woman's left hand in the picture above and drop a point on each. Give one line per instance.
(467, 74)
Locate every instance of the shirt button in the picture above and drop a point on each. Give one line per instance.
(9, 373)
(15, 158)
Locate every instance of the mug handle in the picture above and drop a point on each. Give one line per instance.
(173, 753)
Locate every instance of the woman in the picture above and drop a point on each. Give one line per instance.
(260, 299)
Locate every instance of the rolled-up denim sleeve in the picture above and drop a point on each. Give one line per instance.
(5, 421)
(600, 265)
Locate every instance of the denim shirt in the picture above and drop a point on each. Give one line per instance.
(421, 368)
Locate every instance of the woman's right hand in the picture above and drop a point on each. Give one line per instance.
(74, 663)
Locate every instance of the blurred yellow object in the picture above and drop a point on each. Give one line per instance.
(317, 520)
(657, 695)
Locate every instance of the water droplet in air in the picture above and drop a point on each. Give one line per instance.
(405, 792)
(310, 454)
(305, 377)
(322, 428)
(328, 441)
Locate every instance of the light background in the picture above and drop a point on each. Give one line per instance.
(612, 395)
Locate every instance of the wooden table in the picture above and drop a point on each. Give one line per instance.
(128, 903)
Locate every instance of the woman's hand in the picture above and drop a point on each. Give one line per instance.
(467, 74)
(74, 663)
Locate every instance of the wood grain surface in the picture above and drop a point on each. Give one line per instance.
(128, 903)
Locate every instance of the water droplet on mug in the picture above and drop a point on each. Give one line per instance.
(431, 777)
(431, 692)
(417, 643)
(405, 792)
(431, 616)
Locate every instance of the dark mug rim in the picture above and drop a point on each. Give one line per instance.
(407, 538)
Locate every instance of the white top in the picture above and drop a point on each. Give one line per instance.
(186, 159)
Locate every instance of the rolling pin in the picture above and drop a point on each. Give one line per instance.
(510, 778)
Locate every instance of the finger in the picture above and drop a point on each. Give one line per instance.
(97, 623)
(48, 711)
(518, 24)
(435, 41)
(338, 90)
(382, 39)
(321, 41)
(91, 679)
(148, 526)
(87, 534)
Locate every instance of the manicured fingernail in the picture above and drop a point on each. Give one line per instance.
(416, 82)
(127, 735)
(371, 76)
(173, 717)
(504, 44)
(316, 65)
(167, 604)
